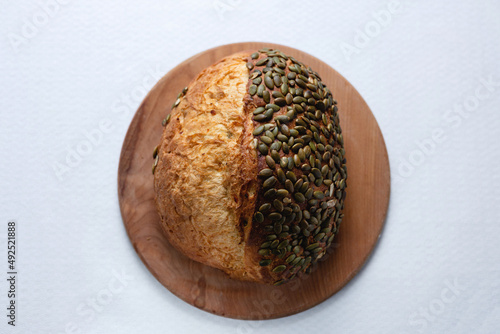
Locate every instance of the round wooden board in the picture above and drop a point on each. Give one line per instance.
(210, 289)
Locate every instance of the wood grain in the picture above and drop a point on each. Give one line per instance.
(210, 289)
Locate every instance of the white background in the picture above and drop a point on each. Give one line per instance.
(84, 69)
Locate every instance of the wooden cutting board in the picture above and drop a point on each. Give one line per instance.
(210, 289)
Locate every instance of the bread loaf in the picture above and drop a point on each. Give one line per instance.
(250, 173)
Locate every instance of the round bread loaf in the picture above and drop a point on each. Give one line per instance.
(250, 173)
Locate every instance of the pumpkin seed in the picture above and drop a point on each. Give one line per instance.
(298, 99)
(268, 113)
(277, 94)
(264, 263)
(287, 211)
(269, 82)
(276, 146)
(261, 61)
(301, 83)
(282, 118)
(319, 236)
(266, 172)
(283, 162)
(281, 175)
(284, 89)
(261, 118)
(257, 81)
(275, 155)
(265, 207)
(266, 96)
(296, 261)
(312, 246)
(264, 252)
(316, 172)
(260, 90)
(269, 182)
(258, 111)
(277, 81)
(270, 162)
(266, 140)
(319, 195)
(278, 205)
(285, 130)
(291, 176)
(272, 106)
(280, 101)
(283, 244)
(258, 217)
(299, 197)
(281, 193)
(275, 216)
(309, 193)
(296, 160)
(279, 268)
(286, 149)
(282, 137)
(270, 194)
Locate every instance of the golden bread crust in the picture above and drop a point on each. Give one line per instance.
(250, 172)
(206, 175)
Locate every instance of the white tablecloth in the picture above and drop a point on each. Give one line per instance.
(74, 72)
